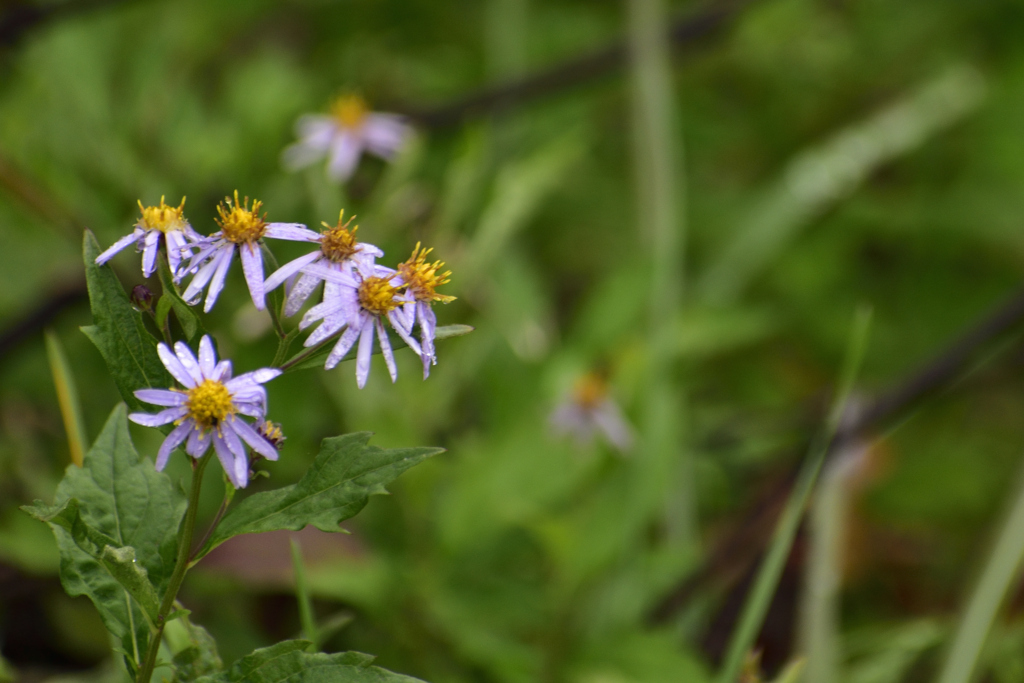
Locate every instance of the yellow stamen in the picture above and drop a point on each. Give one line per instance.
(590, 391)
(162, 217)
(238, 223)
(209, 403)
(338, 243)
(349, 110)
(377, 295)
(422, 278)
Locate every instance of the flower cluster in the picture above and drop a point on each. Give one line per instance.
(359, 297)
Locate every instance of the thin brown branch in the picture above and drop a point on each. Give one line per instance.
(683, 33)
(733, 554)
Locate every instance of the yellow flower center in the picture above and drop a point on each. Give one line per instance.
(238, 223)
(377, 295)
(162, 217)
(338, 243)
(209, 403)
(590, 391)
(422, 278)
(349, 110)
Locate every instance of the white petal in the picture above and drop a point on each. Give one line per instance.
(300, 291)
(406, 337)
(159, 419)
(118, 246)
(231, 437)
(344, 155)
(207, 356)
(385, 350)
(188, 360)
(289, 269)
(342, 348)
(198, 443)
(161, 397)
(222, 372)
(296, 232)
(255, 377)
(219, 276)
(256, 440)
(230, 463)
(195, 287)
(174, 366)
(385, 134)
(172, 441)
(363, 354)
(152, 243)
(252, 267)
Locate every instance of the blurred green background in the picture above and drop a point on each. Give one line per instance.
(826, 154)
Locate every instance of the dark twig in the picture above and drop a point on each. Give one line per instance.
(734, 552)
(573, 72)
(38, 318)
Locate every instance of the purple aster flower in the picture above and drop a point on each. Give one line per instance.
(164, 220)
(358, 301)
(243, 228)
(591, 410)
(208, 409)
(339, 251)
(420, 280)
(343, 135)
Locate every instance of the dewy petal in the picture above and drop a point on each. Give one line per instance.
(385, 350)
(117, 246)
(161, 397)
(363, 354)
(289, 269)
(188, 360)
(198, 443)
(207, 357)
(297, 232)
(255, 439)
(252, 378)
(234, 444)
(172, 441)
(343, 346)
(195, 287)
(344, 155)
(160, 419)
(223, 260)
(404, 334)
(229, 462)
(252, 267)
(300, 292)
(152, 242)
(222, 372)
(174, 366)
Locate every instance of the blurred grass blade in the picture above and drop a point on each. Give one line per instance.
(996, 580)
(819, 617)
(756, 606)
(309, 628)
(67, 397)
(829, 172)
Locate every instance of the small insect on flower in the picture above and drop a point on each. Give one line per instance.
(364, 298)
(339, 251)
(168, 221)
(207, 409)
(240, 227)
(343, 135)
(591, 410)
(421, 279)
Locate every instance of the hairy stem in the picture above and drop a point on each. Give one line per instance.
(188, 526)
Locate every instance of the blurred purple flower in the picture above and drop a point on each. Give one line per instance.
(591, 410)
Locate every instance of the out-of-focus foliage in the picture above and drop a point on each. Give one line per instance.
(517, 555)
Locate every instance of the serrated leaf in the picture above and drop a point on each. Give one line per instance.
(195, 651)
(345, 473)
(288, 661)
(121, 501)
(122, 565)
(119, 333)
(318, 358)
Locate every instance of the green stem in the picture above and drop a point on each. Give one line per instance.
(188, 526)
(282, 347)
(305, 354)
(275, 300)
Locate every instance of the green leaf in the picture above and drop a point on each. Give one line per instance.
(195, 651)
(288, 661)
(318, 355)
(121, 501)
(345, 473)
(119, 333)
(190, 323)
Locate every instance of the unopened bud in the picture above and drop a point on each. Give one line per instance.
(142, 298)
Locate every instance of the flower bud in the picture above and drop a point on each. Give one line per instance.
(142, 298)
